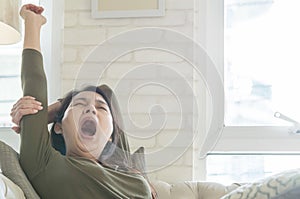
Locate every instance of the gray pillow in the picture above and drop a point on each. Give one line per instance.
(138, 161)
(11, 168)
(270, 187)
(290, 194)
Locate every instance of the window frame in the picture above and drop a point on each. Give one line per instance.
(209, 33)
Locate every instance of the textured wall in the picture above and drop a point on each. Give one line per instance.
(82, 34)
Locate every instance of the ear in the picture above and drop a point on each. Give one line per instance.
(57, 128)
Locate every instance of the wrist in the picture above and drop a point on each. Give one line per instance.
(34, 21)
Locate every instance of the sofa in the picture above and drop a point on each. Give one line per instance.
(183, 190)
(286, 185)
(14, 183)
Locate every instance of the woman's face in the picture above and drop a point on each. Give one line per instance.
(87, 125)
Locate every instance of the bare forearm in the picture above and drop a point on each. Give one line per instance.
(32, 35)
(33, 22)
(52, 110)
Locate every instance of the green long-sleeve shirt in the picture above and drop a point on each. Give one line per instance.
(53, 175)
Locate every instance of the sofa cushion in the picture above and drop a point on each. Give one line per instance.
(12, 169)
(10, 190)
(191, 190)
(268, 188)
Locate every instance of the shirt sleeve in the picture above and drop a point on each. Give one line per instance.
(35, 149)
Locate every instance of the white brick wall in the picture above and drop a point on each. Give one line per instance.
(70, 55)
(85, 19)
(82, 34)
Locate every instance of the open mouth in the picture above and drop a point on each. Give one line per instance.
(88, 127)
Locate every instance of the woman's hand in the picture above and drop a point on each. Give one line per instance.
(30, 11)
(25, 106)
(33, 20)
(29, 106)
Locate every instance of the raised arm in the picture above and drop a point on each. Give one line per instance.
(35, 149)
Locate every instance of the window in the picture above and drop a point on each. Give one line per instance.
(10, 59)
(259, 63)
(10, 67)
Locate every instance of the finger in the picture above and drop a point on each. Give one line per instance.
(39, 10)
(28, 97)
(35, 106)
(25, 111)
(28, 7)
(30, 106)
(25, 100)
(17, 115)
(22, 98)
(25, 106)
(16, 119)
(16, 129)
(36, 9)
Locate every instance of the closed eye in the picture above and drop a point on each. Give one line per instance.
(78, 104)
(102, 108)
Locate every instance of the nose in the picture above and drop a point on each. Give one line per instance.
(90, 109)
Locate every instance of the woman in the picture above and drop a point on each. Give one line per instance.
(87, 125)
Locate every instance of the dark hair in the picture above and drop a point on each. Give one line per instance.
(58, 141)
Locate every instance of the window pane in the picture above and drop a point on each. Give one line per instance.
(227, 169)
(12, 89)
(262, 64)
(5, 107)
(10, 59)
